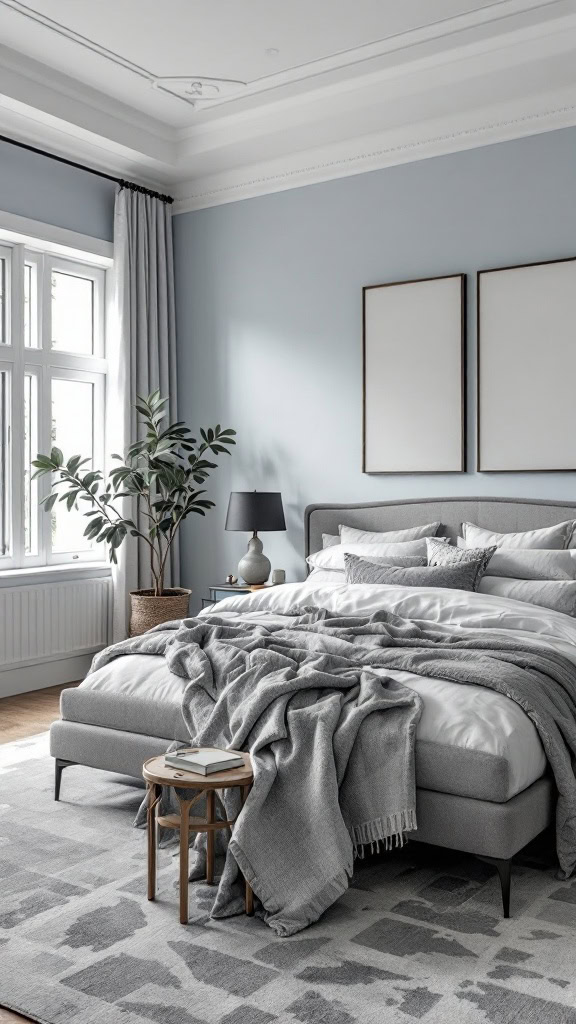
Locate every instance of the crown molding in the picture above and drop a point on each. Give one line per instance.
(507, 75)
(387, 149)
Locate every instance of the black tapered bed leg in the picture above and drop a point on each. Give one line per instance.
(504, 869)
(59, 766)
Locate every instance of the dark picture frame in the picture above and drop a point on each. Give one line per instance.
(414, 376)
(525, 337)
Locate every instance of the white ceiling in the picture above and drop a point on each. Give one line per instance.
(219, 99)
(121, 46)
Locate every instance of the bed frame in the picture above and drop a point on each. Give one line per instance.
(493, 831)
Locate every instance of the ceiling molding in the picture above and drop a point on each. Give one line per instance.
(498, 14)
(374, 153)
(496, 74)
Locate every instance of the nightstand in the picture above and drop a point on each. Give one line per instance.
(223, 590)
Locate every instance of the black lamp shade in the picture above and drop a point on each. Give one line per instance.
(255, 510)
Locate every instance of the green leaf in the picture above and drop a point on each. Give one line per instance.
(57, 456)
(49, 502)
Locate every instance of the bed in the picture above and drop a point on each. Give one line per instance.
(483, 784)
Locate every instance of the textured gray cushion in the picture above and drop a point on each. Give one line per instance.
(560, 596)
(450, 577)
(446, 554)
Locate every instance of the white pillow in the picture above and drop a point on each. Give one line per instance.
(329, 540)
(331, 576)
(549, 538)
(559, 596)
(333, 558)
(521, 564)
(349, 535)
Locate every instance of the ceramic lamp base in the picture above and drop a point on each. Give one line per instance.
(254, 568)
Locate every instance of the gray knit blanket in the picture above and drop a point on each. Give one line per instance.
(332, 738)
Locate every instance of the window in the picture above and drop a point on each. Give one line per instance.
(52, 392)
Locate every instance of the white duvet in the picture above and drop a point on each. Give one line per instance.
(463, 716)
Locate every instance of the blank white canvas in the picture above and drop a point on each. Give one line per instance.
(527, 368)
(413, 377)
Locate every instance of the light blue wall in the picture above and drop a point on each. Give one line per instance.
(45, 190)
(269, 322)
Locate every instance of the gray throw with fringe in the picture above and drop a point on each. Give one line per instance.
(333, 773)
(320, 726)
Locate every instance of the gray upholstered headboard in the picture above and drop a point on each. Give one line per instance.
(502, 514)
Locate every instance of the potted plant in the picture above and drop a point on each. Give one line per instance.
(162, 472)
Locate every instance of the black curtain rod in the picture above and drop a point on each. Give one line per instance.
(91, 170)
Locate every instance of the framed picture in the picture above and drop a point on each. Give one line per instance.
(413, 376)
(527, 368)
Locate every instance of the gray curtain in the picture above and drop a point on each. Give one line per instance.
(142, 354)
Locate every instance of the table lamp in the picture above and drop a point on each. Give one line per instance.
(253, 511)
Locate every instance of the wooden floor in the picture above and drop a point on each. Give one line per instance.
(26, 715)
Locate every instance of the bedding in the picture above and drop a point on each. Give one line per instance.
(335, 575)
(522, 564)
(551, 537)
(446, 554)
(459, 576)
(329, 540)
(350, 535)
(558, 595)
(333, 557)
(452, 632)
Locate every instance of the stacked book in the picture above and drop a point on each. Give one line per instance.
(204, 760)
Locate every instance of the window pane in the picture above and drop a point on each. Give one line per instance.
(30, 306)
(73, 433)
(3, 301)
(4, 465)
(30, 450)
(72, 313)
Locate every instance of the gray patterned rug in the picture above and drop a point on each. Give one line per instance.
(418, 936)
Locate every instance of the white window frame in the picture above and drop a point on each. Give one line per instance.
(49, 249)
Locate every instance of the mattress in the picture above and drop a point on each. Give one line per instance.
(470, 741)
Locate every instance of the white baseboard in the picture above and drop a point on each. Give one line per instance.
(24, 678)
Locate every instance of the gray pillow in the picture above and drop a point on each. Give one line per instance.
(451, 577)
(446, 554)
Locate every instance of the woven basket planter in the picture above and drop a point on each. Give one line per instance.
(148, 611)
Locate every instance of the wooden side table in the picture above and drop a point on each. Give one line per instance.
(221, 591)
(158, 774)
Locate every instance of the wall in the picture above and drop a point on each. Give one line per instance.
(269, 322)
(45, 190)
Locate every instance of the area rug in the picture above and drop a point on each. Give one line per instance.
(418, 935)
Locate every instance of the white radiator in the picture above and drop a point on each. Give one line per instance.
(53, 620)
